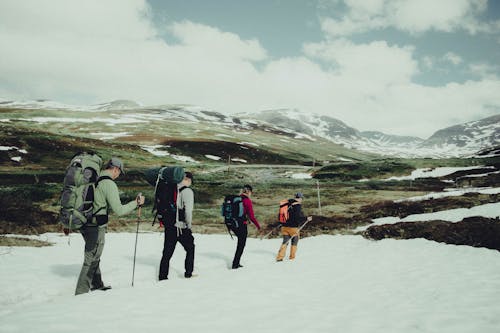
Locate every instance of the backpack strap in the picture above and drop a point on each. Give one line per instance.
(101, 219)
(102, 178)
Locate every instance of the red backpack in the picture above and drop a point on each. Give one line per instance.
(285, 205)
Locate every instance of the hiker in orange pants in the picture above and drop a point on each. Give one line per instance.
(290, 229)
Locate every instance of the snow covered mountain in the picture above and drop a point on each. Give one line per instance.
(468, 138)
(391, 140)
(337, 131)
(455, 141)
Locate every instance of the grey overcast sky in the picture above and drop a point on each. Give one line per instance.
(407, 67)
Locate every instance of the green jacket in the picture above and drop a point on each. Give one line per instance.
(107, 198)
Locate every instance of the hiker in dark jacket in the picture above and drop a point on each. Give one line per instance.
(291, 227)
(106, 198)
(241, 231)
(178, 229)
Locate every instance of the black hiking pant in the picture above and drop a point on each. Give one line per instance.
(241, 232)
(172, 236)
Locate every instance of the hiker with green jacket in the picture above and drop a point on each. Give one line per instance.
(106, 198)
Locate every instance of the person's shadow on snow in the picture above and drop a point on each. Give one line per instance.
(66, 270)
(216, 255)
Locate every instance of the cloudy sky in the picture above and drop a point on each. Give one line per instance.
(407, 67)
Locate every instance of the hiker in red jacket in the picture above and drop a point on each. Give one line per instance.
(242, 231)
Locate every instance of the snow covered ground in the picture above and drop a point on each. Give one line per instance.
(491, 210)
(453, 192)
(336, 284)
(436, 172)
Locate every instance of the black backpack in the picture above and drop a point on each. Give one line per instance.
(165, 180)
(166, 202)
(232, 210)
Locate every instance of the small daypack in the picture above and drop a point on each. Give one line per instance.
(77, 196)
(284, 211)
(165, 180)
(232, 210)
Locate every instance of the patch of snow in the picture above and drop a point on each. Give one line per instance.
(249, 143)
(183, 158)
(453, 192)
(110, 136)
(7, 148)
(238, 160)
(213, 157)
(154, 150)
(434, 173)
(301, 176)
(304, 136)
(491, 210)
(16, 158)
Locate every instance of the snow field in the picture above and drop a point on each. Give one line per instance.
(336, 284)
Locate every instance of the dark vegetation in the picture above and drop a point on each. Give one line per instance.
(473, 231)
(356, 171)
(224, 149)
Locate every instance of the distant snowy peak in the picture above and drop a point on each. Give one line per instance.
(338, 132)
(386, 139)
(308, 123)
(466, 138)
(460, 140)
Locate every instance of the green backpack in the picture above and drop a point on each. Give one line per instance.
(77, 195)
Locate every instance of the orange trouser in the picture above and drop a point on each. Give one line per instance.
(288, 233)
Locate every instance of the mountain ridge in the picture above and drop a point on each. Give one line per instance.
(454, 141)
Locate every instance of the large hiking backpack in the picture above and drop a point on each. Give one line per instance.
(232, 210)
(164, 174)
(165, 180)
(284, 211)
(77, 195)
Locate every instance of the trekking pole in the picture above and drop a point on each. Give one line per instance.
(270, 232)
(302, 226)
(136, 236)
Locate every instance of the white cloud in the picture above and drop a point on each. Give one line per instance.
(484, 71)
(413, 16)
(428, 62)
(455, 59)
(203, 38)
(375, 61)
(95, 51)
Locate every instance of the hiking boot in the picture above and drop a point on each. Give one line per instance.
(103, 288)
(188, 276)
(237, 266)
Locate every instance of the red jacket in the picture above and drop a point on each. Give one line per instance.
(248, 211)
